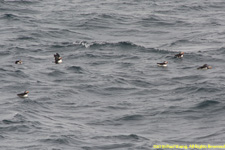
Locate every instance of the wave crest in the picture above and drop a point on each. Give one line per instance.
(97, 44)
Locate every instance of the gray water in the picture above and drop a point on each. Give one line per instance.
(109, 92)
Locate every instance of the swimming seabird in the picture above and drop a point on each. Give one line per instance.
(23, 95)
(205, 66)
(164, 64)
(58, 59)
(180, 55)
(18, 62)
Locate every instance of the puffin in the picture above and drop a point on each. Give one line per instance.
(58, 59)
(163, 64)
(18, 62)
(180, 55)
(23, 95)
(205, 67)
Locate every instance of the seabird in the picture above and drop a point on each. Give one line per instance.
(205, 66)
(18, 62)
(180, 55)
(164, 64)
(23, 95)
(58, 59)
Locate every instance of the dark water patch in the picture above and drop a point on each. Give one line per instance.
(18, 74)
(17, 118)
(198, 90)
(118, 121)
(5, 53)
(109, 146)
(125, 64)
(101, 21)
(97, 63)
(120, 137)
(207, 103)
(117, 90)
(61, 140)
(3, 70)
(23, 37)
(62, 45)
(56, 73)
(131, 57)
(188, 77)
(21, 1)
(32, 103)
(131, 118)
(220, 51)
(34, 147)
(106, 56)
(90, 55)
(10, 17)
(43, 99)
(188, 89)
(2, 137)
(116, 107)
(76, 69)
(11, 122)
(140, 83)
(144, 92)
(208, 90)
(155, 20)
(15, 128)
(216, 4)
(161, 52)
(56, 141)
(37, 59)
(191, 7)
(113, 18)
(65, 93)
(18, 49)
(210, 136)
(181, 42)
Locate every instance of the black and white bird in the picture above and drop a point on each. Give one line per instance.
(58, 59)
(205, 67)
(163, 64)
(23, 95)
(180, 55)
(18, 62)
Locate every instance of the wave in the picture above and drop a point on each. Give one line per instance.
(98, 44)
(56, 73)
(121, 137)
(75, 69)
(22, 1)
(110, 146)
(131, 118)
(207, 103)
(18, 74)
(124, 45)
(18, 123)
(62, 140)
(22, 37)
(10, 16)
(17, 118)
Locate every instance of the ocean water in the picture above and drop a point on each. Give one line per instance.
(109, 92)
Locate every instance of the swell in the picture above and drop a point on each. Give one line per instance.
(99, 44)
(157, 20)
(207, 103)
(19, 1)
(18, 123)
(123, 45)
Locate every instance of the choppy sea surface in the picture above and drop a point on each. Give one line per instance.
(109, 92)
